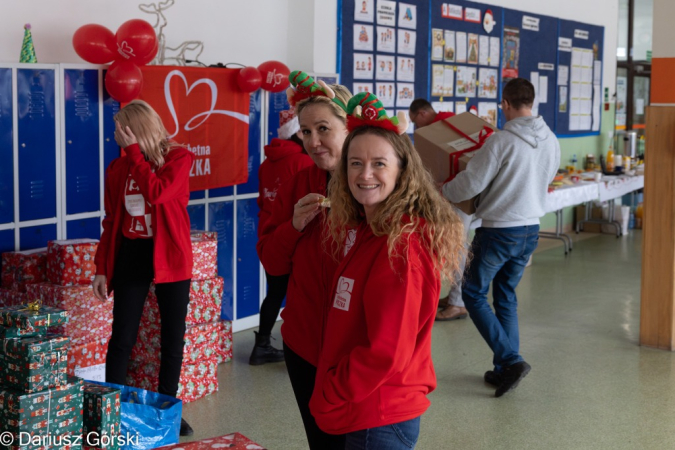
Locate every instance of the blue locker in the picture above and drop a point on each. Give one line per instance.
(197, 195)
(6, 149)
(221, 219)
(82, 146)
(254, 139)
(110, 148)
(221, 192)
(248, 264)
(37, 144)
(36, 237)
(84, 228)
(197, 217)
(6, 241)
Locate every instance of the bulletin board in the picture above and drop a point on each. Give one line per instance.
(384, 50)
(580, 48)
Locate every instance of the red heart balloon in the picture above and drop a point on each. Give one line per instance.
(136, 39)
(95, 44)
(124, 81)
(249, 79)
(274, 76)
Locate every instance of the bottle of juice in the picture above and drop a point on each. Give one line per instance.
(639, 212)
(609, 162)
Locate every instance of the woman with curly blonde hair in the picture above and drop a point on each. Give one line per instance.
(395, 236)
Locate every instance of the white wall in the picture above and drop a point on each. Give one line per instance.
(664, 31)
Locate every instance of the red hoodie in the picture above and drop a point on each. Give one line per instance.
(168, 191)
(284, 159)
(282, 249)
(375, 364)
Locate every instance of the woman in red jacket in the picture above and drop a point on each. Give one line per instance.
(284, 157)
(291, 241)
(146, 237)
(398, 236)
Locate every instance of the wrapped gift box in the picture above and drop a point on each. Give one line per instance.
(196, 380)
(101, 416)
(21, 316)
(23, 268)
(205, 235)
(11, 298)
(12, 332)
(79, 301)
(88, 355)
(205, 298)
(204, 257)
(234, 441)
(33, 364)
(71, 261)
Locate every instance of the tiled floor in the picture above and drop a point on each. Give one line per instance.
(591, 385)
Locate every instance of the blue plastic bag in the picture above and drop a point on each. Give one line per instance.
(149, 419)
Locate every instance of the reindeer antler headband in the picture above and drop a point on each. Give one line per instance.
(365, 110)
(304, 86)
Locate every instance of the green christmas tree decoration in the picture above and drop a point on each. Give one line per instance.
(27, 48)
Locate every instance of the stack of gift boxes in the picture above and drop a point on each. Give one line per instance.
(208, 340)
(19, 270)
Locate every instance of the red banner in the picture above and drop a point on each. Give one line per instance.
(204, 110)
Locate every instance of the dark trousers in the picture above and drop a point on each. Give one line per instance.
(269, 310)
(131, 281)
(302, 375)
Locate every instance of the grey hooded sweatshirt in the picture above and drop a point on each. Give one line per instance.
(511, 172)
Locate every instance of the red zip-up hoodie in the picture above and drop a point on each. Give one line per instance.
(284, 250)
(284, 159)
(375, 364)
(168, 191)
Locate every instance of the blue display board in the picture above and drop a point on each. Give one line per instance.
(385, 51)
(248, 265)
(6, 149)
(221, 220)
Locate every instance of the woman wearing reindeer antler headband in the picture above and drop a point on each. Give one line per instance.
(291, 241)
(395, 236)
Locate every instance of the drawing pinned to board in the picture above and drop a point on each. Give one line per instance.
(407, 16)
(436, 44)
(386, 93)
(405, 69)
(466, 82)
(511, 53)
(386, 13)
(489, 21)
(386, 69)
(437, 80)
(443, 106)
(407, 40)
(363, 66)
(362, 87)
(488, 112)
(483, 50)
(449, 52)
(405, 93)
(363, 37)
(460, 47)
(363, 10)
(487, 83)
(562, 99)
(386, 40)
(473, 49)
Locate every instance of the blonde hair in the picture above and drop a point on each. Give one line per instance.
(148, 128)
(341, 93)
(414, 195)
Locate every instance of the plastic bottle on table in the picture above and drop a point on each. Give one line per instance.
(610, 160)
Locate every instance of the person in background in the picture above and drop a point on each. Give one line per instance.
(451, 306)
(395, 235)
(146, 239)
(511, 172)
(292, 240)
(284, 157)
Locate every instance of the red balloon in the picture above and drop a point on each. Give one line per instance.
(136, 39)
(95, 44)
(274, 76)
(124, 81)
(249, 79)
(150, 57)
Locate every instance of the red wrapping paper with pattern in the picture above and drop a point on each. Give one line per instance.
(204, 306)
(204, 258)
(71, 262)
(196, 380)
(205, 235)
(20, 269)
(89, 354)
(234, 441)
(11, 298)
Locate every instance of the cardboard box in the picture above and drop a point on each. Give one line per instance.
(436, 142)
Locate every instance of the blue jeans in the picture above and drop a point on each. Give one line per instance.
(499, 257)
(397, 436)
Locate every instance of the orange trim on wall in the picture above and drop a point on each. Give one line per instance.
(663, 88)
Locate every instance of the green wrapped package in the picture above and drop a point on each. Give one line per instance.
(34, 345)
(34, 373)
(31, 317)
(7, 332)
(101, 415)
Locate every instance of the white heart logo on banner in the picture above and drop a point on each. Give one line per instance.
(206, 114)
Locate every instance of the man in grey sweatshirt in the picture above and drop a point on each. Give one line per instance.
(511, 172)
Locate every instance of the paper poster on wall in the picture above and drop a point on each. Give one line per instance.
(488, 112)
(407, 16)
(562, 99)
(530, 23)
(460, 107)
(363, 66)
(407, 40)
(460, 47)
(363, 37)
(386, 13)
(362, 87)
(597, 72)
(473, 49)
(563, 75)
(411, 125)
(466, 82)
(534, 79)
(386, 92)
(494, 51)
(449, 81)
(443, 106)
(564, 44)
(406, 69)
(483, 50)
(450, 11)
(596, 107)
(449, 52)
(511, 53)
(639, 106)
(543, 89)
(436, 44)
(472, 15)
(405, 94)
(621, 83)
(363, 10)
(437, 79)
(386, 68)
(386, 39)
(487, 83)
